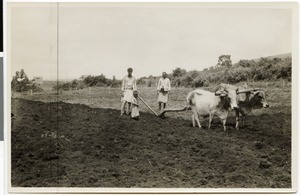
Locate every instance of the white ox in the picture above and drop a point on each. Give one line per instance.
(204, 103)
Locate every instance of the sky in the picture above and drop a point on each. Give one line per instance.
(94, 40)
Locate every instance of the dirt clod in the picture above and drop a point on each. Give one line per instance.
(264, 165)
(258, 145)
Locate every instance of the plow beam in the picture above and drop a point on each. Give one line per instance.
(162, 113)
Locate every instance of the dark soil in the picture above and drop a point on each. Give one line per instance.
(73, 145)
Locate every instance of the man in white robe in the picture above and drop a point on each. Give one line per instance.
(163, 90)
(128, 87)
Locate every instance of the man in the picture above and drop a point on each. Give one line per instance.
(128, 87)
(163, 90)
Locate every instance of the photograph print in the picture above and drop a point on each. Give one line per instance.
(164, 96)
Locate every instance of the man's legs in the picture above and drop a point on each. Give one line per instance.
(123, 107)
(159, 105)
(165, 105)
(129, 108)
(128, 112)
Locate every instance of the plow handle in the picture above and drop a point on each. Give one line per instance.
(148, 106)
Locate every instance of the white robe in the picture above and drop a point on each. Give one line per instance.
(128, 86)
(163, 96)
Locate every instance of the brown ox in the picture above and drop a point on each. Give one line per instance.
(247, 100)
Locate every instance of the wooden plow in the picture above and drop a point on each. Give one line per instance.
(161, 114)
(147, 105)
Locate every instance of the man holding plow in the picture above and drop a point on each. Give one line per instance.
(128, 87)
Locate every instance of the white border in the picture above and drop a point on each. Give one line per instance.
(7, 95)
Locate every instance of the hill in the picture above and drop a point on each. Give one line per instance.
(270, 68)
(281, 56)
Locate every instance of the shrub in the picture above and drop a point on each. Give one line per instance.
(178, 72)
(201, 82)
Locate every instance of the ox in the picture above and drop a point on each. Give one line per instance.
(204, 103)
(247, 100)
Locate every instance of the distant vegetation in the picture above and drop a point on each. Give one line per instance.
(88, 81)
(263, 69)
(101, 81)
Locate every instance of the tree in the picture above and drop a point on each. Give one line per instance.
(194, 73)
(74, 83)
(87, 80)
(100, 80)
(82, 77)
(188, 81)
(141, 81)
(178, 72)
(200, 82)
(176, 82)
(224, 61)
(246, 63)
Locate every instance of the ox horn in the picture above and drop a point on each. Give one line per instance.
(217, 93)
(248, 90)
(224, 93)
(221, 92)
(244, 91)
(255, 92)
